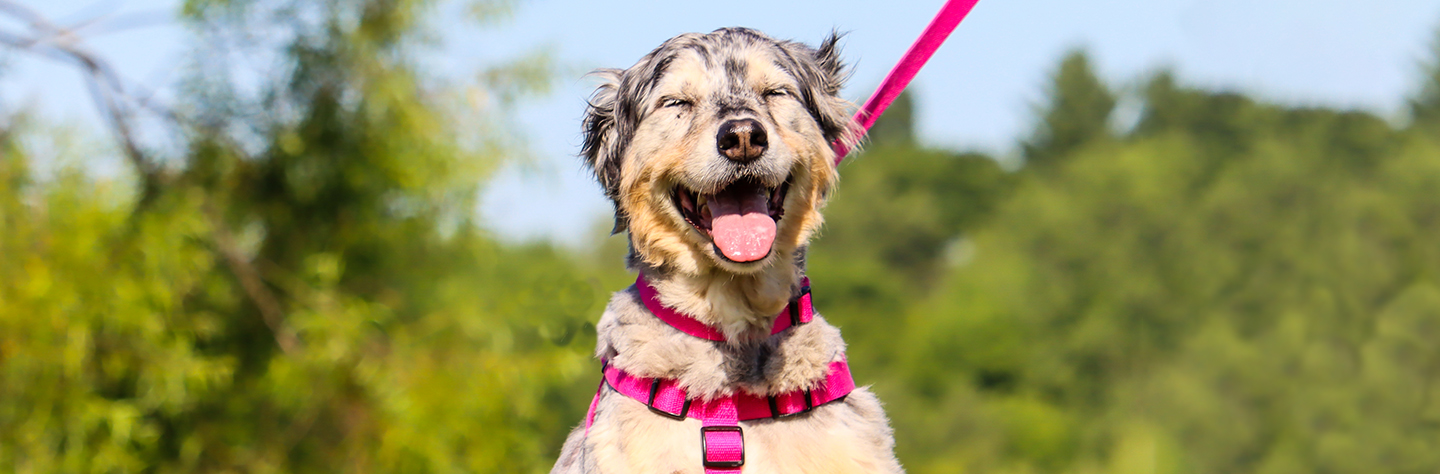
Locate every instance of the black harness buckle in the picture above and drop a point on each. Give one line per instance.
(775, 407)
(684, 409)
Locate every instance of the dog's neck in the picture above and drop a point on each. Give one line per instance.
(742, 307)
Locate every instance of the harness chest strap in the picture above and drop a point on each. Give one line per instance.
(799, 311)
(722, 441)
(667, 399)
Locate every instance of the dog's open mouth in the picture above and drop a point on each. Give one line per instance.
(740, 219)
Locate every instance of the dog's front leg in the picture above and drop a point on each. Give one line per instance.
(573, 456)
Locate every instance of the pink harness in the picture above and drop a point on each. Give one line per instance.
(722, 441)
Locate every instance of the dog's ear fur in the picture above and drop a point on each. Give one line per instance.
(821, 76)
(828, 58)
(600, 148)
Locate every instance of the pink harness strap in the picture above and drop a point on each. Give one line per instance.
(668, 400)
(722, 440)
(800, 311)
(910, 64)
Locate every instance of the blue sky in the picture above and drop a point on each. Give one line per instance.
(977, 92)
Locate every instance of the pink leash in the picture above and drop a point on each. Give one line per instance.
(910, 64)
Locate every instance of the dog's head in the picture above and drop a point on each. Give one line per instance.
(715, 149)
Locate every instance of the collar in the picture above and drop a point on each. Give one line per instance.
(798, 312)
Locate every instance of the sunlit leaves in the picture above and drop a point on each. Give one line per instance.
(327, 202)
(1223, 290)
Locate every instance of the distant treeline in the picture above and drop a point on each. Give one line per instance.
(1225, 286)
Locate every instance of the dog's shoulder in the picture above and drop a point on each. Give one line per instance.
(797, 358)
(633, 340)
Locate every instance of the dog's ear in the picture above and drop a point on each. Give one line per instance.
(600, 148)
(827, 57)
(824, 74)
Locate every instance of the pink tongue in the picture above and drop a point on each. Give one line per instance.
(741, 224)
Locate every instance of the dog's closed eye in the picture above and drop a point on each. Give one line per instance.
(674, 102)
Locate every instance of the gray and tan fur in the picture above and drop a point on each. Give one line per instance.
(650, 131)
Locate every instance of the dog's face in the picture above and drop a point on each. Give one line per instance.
(716, 148)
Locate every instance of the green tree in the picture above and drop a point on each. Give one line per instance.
(1425, 106)
(1076, 111)
(1233, 287)
(896, 128)
(306, 289)
(898, 219)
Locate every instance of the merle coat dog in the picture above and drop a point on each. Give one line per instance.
(716, 152)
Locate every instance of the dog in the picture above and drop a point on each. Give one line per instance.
(715, 150)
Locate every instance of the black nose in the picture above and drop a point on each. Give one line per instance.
(741, 140)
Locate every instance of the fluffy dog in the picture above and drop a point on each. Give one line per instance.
(715, 150)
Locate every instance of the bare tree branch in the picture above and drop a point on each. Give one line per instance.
(118, 106)
(270, 310)
(104, 83)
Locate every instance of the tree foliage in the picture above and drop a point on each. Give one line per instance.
(1234, 286)
(307, 293)
(901, 209)
(1076, 112)
(1229, 286)
(1425, 106)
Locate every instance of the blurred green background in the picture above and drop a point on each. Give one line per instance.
(299, 284)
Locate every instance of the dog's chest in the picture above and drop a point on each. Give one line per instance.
(847, 435)
(835, 438)
(748, 365)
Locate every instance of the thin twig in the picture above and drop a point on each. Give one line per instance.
(250, 279)
(105, 91)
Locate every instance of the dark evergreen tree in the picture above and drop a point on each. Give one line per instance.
(897, 126)
(1076, 112)
(1425, 106)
